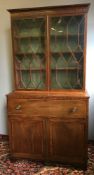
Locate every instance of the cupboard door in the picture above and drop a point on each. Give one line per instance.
(27, 137)
(66, 140)
(29, 52)
(67, 51)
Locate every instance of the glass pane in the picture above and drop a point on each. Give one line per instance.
(67, 52)
(29, 27)
(29, 41)
(30, 61)
(31, 79)
(61, 79)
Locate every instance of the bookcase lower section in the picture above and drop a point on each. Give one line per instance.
(49, 128)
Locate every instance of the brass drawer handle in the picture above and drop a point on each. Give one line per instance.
(18, 107)
(74, 109)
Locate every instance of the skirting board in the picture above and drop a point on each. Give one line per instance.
(4, 137)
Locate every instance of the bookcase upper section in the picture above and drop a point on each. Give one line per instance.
(49, 47)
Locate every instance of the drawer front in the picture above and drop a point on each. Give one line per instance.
(68, 108)
(52, 108)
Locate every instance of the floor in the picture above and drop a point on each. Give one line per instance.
(28, 167)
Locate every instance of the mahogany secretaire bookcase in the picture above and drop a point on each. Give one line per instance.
(48, 110)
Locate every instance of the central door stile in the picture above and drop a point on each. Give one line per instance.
(46, 138)
(48, 52)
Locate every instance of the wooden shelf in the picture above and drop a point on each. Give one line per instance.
(32, 69)
(27, 37)
(67, 69)
(67, 35)
(52, 35)
(29, 53)
(52, 69)
(66, 52)
(53, 53)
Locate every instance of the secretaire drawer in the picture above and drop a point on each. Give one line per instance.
(60, 108)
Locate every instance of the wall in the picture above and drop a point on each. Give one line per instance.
(6, 65)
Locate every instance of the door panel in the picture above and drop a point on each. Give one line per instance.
(65, 140)
(29, 52)
(27, 137)
(67, 50)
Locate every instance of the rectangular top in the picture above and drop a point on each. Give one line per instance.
(80, 7)
(47, 94)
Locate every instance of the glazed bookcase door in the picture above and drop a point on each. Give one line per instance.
(29, 52)
(49, 54)
(67, 52)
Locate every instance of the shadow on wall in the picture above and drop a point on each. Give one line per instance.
(10, 59)
(91, 118)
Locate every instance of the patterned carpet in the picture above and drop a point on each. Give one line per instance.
(27, 167)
